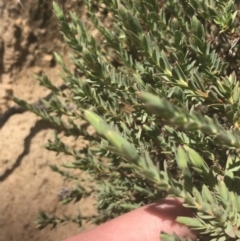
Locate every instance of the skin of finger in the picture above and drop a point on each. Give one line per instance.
(143, 224)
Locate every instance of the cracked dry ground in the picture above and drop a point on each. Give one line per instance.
(28, 37)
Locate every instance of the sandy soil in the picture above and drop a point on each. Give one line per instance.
(28, 37)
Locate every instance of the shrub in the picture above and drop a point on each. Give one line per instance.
(161, 90)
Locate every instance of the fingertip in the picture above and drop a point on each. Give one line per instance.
(143, 224)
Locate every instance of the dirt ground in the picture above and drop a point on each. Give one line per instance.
(28, 36)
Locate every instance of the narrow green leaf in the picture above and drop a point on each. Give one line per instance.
(181, 158)
(229, 230)
(191, 222)
(223, 191)
(197, 161)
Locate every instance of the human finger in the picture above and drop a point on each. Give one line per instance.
(143, 224)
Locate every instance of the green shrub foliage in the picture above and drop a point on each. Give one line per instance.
(161, 90)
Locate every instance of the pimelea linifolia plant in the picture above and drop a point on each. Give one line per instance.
(161, 89)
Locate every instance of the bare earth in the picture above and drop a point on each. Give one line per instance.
(28, 37)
